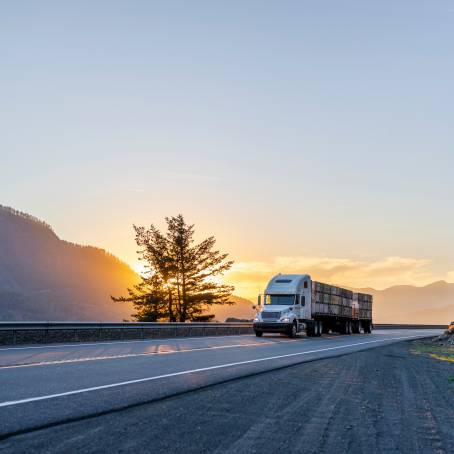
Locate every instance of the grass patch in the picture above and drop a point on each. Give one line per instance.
(434, 350)
(450, 359)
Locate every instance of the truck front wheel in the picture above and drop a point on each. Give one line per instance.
(259, 333)
(293, 330)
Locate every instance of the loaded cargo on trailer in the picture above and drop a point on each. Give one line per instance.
(294, 303)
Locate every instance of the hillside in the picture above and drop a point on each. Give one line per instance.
(433, 303)
(45, 278)
(242, 309)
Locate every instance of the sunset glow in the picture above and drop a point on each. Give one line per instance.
(300, 149)
(250, 278)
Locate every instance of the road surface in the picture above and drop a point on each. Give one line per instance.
(383, 400)
(42, 386)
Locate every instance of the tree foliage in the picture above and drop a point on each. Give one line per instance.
(180, 281)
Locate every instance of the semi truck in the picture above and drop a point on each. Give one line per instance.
(294, 303)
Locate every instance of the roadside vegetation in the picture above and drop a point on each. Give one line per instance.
(441, 348)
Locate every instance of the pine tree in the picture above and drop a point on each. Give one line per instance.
(180, 282)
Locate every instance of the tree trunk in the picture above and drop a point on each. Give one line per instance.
(185, 302)
(179, 305)
(171, 317)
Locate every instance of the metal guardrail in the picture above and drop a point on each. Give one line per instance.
(75, 324)
(407, 326)
(20, 333)
(130, 325)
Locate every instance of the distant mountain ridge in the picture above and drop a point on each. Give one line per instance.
(432, 303)
(242, 309)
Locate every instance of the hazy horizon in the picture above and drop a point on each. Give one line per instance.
(231, 276)
(303, 136)
(43, 275)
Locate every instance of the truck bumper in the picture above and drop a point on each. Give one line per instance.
(270, 327)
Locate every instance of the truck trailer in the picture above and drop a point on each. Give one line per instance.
(294, 303)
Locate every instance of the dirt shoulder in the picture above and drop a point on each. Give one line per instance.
(384, 400)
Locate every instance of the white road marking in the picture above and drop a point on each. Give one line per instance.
(82, 344)
(131, 355)
(186, 372)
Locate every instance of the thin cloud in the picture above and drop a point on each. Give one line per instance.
(190, 177)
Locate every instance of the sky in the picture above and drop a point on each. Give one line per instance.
(307, 136)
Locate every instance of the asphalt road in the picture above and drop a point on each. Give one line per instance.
(44, 386)
(383, 400)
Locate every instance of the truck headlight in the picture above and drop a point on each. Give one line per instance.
(285, 320)
(256, 319)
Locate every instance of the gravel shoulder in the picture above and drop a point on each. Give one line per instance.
(382, 400)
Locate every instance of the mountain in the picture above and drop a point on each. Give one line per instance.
(242, 309)
(45, 278)
(433, 304)
(439, 315)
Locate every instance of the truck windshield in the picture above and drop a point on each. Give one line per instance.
(283, 300)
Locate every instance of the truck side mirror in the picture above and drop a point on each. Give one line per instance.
(259, 300)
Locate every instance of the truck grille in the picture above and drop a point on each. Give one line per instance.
(270, 315)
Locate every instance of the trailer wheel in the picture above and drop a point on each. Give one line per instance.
(316, 329)
(342, 328)
(259, 333)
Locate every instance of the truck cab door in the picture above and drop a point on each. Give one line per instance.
(305, 303)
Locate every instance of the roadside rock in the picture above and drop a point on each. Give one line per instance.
(447, 338)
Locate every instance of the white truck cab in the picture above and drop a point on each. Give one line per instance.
(285, 304)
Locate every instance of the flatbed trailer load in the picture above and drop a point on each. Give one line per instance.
(294, 303)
